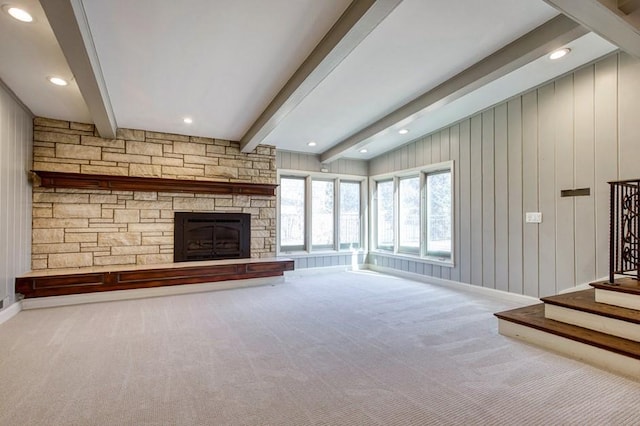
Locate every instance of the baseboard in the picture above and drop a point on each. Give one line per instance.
(301, 272)
(499, 294)
(584, 286)
(10, 312)
(141, 293)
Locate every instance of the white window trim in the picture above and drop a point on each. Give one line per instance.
(395, 176)
(336, 178)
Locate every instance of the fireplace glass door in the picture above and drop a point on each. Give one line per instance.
(209, 236)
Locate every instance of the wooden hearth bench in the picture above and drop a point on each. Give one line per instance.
(58, 282)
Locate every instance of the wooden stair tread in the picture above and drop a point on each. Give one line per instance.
(533, 316)
(622, 285)
(585, 301)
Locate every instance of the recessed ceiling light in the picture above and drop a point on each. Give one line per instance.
(559, 53)
(17, 13)
(57, 81)
(363, 151)
(312, 143)
(403, 131)
(188, 120)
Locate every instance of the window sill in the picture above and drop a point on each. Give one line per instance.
(319, 253)
(416, 258)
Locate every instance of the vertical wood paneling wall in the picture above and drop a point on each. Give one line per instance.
(311, 163)
(15, 194)
(578, 131)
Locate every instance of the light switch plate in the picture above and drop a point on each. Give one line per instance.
(534, 217)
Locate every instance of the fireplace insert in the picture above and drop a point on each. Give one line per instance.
(210, 236)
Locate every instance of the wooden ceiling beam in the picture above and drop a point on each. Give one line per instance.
(605, 18)
(551, 35)
(69, 23)
(355, 24)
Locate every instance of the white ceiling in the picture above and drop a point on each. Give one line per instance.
(420, 45)
(29, 54)
(221, 62)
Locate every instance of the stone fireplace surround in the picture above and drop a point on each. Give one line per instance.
(82, 228)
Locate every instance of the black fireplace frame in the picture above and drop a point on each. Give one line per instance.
(182, 220)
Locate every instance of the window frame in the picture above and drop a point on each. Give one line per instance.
(305, 241)
(334, 213)
(404, 249)
(374, 220)
(436, 254)
(395, 249)
(340, 244)
(308, 248)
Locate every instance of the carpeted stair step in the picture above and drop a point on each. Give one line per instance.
(625, 292)
(600, 349)
(580, 308)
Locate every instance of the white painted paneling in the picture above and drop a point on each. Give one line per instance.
(411, 155)
(606, 152)
(476, 200)
(16, 135)
(464, 200)
(515, 243)
(547, 189)
(488, 200)
(565, 159)
(530, 191)
(426, 153)
(629, 124)
(310, 163)
(454, 146)
(585, 231)
(501, 199)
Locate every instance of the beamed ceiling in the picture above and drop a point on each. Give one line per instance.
(345, 74)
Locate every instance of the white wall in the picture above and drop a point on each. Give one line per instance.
(581, 130)
(16, 131)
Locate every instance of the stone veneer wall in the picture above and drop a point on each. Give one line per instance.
(83, 228)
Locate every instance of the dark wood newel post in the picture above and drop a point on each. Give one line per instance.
(612, 189)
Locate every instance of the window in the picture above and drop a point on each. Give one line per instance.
(414, 212)
(292, 214)
(384, 210)
(350, 225)
(322, 213)
(409, 214)
(439, 214)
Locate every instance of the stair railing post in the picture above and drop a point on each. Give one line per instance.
(612, 214)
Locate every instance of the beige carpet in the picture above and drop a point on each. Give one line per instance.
(335, 349)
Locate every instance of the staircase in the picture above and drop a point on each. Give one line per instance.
(600, 326)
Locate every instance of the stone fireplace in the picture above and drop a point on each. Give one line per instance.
(211, 236)
(87, 227)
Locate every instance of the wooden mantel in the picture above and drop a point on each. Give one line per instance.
(149, 184)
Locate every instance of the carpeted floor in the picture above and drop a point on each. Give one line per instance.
(336, 349)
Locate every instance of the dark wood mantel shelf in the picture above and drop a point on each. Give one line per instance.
(149, 184)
